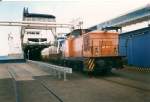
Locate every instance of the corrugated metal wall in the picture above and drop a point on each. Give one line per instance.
(135, 45)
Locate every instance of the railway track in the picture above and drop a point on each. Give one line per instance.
(131, 84)
(14, 85)
(50, 91)
(32, 90)
(31, 87)
(128, 83)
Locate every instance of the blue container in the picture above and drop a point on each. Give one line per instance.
(135, 45)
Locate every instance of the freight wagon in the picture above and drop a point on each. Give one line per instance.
(91, 52)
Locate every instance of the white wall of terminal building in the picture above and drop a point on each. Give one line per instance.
(14, 42)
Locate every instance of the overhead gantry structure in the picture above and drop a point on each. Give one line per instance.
(35, 25)
(136, 16)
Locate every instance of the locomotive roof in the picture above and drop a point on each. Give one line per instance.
(77, 32)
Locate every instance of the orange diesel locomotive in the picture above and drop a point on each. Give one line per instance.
(92, 51)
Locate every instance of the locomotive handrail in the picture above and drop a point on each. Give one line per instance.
(60, 69)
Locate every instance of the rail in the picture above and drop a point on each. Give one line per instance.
(56, 70)
(15, 84)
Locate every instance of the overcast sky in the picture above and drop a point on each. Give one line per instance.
(90, 11)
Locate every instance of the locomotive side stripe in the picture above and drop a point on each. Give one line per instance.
(91, 68)
(89, 62)
(91, 65)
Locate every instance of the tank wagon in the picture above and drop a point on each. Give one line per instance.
(91, 52)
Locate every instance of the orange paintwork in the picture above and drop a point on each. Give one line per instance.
(78, 46)
(92, 44)
(100, 44)
(68, 50)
